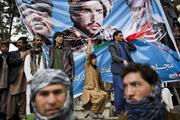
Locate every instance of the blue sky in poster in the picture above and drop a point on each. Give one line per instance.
(164, 60)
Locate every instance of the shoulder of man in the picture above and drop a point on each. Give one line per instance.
(172, 116)
(13, 54)
(67, 48)
(113, 44)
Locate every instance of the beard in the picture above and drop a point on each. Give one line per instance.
(37, 50)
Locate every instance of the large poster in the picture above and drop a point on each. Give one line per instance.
(142, 22)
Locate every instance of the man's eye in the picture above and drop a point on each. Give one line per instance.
(125, 87)
(44, 14)
(58, 92)
(99, 11)
(136, 9)
(84, 11)
(29, 13)
(135, 84)
(44, 94)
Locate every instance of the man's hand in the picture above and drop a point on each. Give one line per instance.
(125, 62)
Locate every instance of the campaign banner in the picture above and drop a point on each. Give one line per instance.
(142, 23)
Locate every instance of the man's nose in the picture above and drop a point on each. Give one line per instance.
(52, 99)
(129, 92)
(37, 18)
(93, 17)
(39, 41)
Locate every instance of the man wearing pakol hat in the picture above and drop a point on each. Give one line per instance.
(50, 97)
(87, 17)
(37, 16)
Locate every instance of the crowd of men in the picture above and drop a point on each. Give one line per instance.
(18, 68)
(37, 80)
(33, 81)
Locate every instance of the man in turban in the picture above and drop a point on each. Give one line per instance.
(50, 97)
(87, 17)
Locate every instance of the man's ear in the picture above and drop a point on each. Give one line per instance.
(153, 87)
(33, 104)
(115, 37)
(33, 42)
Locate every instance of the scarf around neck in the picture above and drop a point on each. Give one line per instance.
(150, 108)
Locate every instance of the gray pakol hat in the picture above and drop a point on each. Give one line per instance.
(46, 77)
(39, 5)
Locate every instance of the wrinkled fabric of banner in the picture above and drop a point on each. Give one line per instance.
(141, 21)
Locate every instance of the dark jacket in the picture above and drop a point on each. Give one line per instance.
(117, 60)
(1, 59)
(68, 61)
(4, 80)
(14, 62)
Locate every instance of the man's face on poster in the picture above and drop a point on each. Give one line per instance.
(38, 22)
(89, 18)
(138, 9)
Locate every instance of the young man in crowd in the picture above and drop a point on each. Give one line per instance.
(16, 103)
(142, 90)
(34, 61)
(50, 97)
(61, 56)
(4, 56)
(87, 17)
(94, 96)
(120, 53)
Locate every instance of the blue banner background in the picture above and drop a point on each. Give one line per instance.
(160, 57)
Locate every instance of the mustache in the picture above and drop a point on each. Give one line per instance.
(93, 23)
(131, 100)
(54, 108)
(39, 23)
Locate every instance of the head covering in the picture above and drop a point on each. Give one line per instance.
(107, 5)
(39, 5)
(130, 3)
(44, 78)
(24, 39)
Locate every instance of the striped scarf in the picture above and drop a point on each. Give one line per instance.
(35, 60)
(150, 108)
